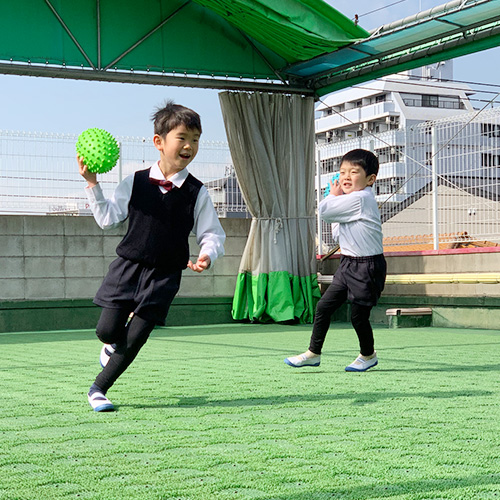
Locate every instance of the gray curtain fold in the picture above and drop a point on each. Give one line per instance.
(271, 138)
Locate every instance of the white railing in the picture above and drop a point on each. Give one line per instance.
(39, 173)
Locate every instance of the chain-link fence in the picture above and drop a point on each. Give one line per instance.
(39, 173)
(438, 184)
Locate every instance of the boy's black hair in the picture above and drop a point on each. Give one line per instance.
(363, 158)
(173, 115)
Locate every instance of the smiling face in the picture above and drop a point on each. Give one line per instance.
(177, 149)
(353, 177)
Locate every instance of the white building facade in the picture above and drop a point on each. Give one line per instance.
(392, 103)
(426, 133)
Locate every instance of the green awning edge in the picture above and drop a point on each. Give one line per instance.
(441, 55)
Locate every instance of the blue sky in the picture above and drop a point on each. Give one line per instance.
(65, 106)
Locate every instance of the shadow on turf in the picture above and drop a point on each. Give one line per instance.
(418, 488)
(444, 368)
(358, 399)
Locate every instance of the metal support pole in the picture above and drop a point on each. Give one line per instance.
(318, 199)
(120, 166)
(435, 207)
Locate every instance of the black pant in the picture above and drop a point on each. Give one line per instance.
(112, 328)
(360, 319)
(360, 280)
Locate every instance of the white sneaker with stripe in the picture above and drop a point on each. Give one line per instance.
(99, 402)
(361, 365)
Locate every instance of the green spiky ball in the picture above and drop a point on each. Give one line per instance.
(99, 149)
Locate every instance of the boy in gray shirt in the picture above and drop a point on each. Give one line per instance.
(361, 275)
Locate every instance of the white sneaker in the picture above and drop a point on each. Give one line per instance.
(302, 360)
(99, 402)
(361, 365)
(106, 351)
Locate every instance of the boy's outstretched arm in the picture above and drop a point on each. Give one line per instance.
(201, 264)
(108, 213)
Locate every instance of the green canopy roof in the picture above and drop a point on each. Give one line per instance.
(174, 39)
(292, 46)
(454, 29)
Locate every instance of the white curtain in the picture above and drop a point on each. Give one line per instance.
(271, 138)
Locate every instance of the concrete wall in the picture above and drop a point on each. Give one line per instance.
(53, 257)
(457, 261)
(51, 267)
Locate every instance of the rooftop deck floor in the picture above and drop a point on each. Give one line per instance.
(212, 412)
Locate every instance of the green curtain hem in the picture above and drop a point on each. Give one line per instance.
(276, 296)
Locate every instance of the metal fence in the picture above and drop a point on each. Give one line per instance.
(438, 184)
(39, 173)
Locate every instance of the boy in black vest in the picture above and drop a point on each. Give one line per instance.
(164, 203)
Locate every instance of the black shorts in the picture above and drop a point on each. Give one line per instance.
(362, 277)
(148, 292)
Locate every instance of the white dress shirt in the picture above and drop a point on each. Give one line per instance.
(358, 229)
(110, 213)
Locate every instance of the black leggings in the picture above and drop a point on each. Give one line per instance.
(113, 328)
(360, 319)
(361, 281)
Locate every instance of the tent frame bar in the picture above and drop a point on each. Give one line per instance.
(347, 72)
(147, 35)
(427, 15)
(151, 78)
(379, 58)
(68, 31)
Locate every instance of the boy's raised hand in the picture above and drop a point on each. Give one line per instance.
(90, 177)
(201, 264)
(335, 188)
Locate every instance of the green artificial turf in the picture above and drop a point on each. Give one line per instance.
(212, 412)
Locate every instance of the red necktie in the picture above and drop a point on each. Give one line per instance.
(162, 182)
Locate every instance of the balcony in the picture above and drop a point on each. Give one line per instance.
(391, 198)
(357, 115)
(391, 169)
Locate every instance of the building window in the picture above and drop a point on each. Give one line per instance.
(380, 98)
(387, 186)
(329, 165)
(390, 155)
(490, 129)
(428, 157)
(430, 101)
(490, 160)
